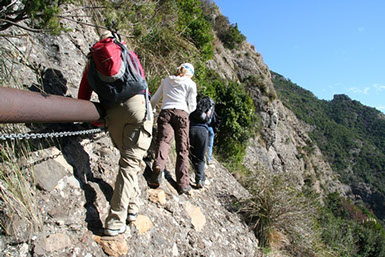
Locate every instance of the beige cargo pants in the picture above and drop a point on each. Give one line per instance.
(131, 132)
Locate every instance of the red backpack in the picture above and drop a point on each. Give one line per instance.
(114, 72)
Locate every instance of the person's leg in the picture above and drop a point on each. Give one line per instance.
(180, 121)
(199, 148)
(210, 145)
(193, 146)
(135, 139)
(165, 136)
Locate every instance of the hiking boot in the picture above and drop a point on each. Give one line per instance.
(115, 232)
(155, 177)
(131, 217)
(200, 184)
(187, 191)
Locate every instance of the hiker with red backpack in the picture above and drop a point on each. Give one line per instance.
(116, 75)
(179, 100)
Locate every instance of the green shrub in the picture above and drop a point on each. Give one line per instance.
(193, 26)
(41, 15)
(209, 9)
(260, 82)
(228, 33)
(237, 112)
(350, 230)
(164, 34)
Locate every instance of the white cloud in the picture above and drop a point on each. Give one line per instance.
(379, 87)
(381, 108)
(358, 90)
(366, 90)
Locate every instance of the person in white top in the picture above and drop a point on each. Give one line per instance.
(179, 100)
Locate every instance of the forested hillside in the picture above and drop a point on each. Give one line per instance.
(350, 135)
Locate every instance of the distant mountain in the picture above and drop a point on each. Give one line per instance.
(350, 135)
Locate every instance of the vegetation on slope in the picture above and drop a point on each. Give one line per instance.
(39, 15)
(350, 135)
(350, 230)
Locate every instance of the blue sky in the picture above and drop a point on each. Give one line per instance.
(327, 47)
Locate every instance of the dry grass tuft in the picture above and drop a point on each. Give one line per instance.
(280, 215)
(16, 192)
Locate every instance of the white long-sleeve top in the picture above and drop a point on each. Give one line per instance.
(177, 92)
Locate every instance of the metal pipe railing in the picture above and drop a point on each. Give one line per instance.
(21, 106)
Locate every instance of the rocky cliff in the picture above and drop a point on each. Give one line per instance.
(75, 176)
(283, 144)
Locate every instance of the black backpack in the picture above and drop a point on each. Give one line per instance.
(204, 111)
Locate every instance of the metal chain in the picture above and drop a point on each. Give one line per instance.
(14, 136)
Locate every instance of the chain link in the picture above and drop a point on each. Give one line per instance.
(27, 136)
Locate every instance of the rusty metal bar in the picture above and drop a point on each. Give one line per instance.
(21, 106)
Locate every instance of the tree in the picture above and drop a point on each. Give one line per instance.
(228, 33)
(42, 15)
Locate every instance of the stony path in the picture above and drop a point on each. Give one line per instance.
(73, 203)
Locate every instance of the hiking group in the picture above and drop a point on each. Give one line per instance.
(115, 74)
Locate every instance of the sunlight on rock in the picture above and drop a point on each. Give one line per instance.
(113, 246)
(198, 220)
(143, 224)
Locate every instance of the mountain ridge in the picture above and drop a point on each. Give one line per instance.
(360, 126)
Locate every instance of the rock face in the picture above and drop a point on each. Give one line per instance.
(73, 201)
(284, 146)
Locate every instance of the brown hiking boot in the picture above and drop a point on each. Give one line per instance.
(200, 184)
(155, 177)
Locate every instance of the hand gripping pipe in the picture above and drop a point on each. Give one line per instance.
(21, 106)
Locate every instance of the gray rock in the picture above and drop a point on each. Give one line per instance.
(48, 174)
(51, 243)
